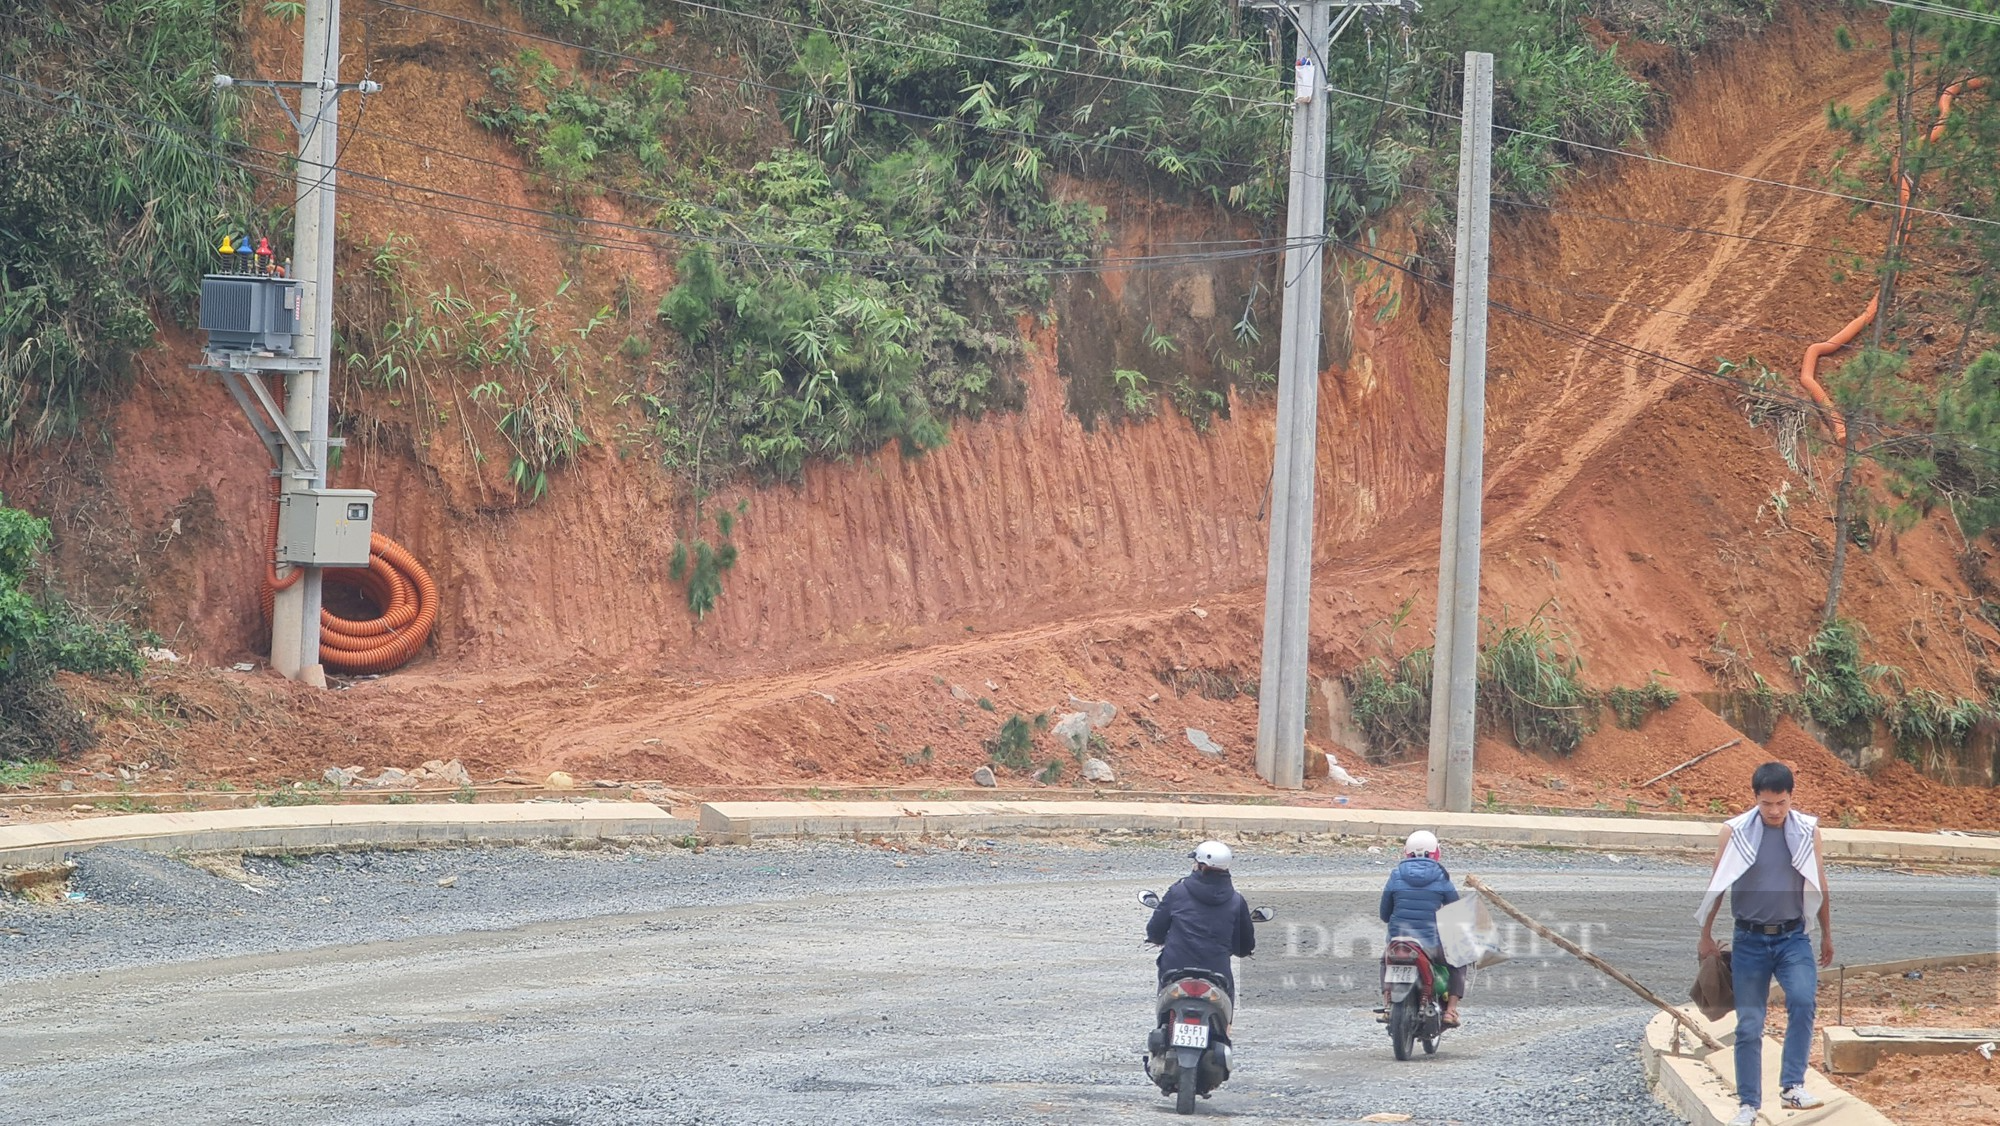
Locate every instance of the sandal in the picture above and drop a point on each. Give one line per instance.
(1448, 1021)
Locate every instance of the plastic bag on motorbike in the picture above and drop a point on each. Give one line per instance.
(1469, 934)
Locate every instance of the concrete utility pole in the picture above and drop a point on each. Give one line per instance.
(295, 617)
(1281, 683)
(1455, 661)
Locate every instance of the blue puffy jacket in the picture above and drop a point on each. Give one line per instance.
(1199, 923)
(1410, 901)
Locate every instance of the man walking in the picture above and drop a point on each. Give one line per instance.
(1768, 860)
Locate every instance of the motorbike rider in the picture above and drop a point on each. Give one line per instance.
(1410, 901)
(1202, 920)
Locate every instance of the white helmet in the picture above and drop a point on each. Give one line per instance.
(1215, 854)
(1423, 842)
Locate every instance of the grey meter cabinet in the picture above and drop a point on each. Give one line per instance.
(325, 527)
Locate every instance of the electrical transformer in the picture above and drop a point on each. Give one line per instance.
(250, 313)
(325, 527)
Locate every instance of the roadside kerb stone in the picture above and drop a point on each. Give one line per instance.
(1941, 962)
(1854, 1050)
(1858, 1050)
(741, 822)
(1700, 1085)
(301, 827)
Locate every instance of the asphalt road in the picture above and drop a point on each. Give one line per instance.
(821, 983)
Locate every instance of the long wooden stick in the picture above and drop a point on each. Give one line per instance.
(1615, 973)
(1688, 763)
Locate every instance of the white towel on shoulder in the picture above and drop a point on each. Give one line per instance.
(1800, 829)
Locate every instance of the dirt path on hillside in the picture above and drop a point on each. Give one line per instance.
(830, 665)
(1594, 410)
(1733, 278)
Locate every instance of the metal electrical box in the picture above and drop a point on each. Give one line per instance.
(250, 313)
(325, 527)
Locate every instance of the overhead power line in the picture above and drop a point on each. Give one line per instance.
(711, 209)
(1641, 358)
(1087, 143)
(1944, 10)
(1060, 45)
(1046, 68)
(1078, 141)
(635, 236)
(1446, 116)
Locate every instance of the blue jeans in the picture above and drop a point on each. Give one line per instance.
(1754, 960)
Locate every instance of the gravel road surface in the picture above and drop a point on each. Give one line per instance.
(817, 983)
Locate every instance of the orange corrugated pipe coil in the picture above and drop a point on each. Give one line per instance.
(393, 580)
(1809, 370)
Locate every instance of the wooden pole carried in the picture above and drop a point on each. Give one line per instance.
(1614, 972)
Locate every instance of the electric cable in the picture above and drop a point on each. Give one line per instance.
(803, 254)
(711, 209)
(758, 84)
(1654, 158)
(1944, 10)
(970, 57)
(1443, 115)
(1087, 143)
(1639, 355)
(1080, 48)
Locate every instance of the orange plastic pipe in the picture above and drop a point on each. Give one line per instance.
(1809, 369)
(394, 581)
(272, 583)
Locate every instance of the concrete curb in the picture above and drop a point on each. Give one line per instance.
(336, 826)
(306, 827)
(742, 822)
(1700, 1085)
(1940, 962)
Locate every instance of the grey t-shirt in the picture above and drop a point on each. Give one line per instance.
(1772, 891)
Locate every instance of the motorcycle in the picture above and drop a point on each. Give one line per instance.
(1188, 1049)
(1413, 991)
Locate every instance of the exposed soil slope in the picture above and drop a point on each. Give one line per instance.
(1033, 557)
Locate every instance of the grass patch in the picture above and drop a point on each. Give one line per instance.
(1225, 683)
(1014, 745)
(1631, 706)
(302, 793)
(1838, 688)
(26, 773)
(1392, 703)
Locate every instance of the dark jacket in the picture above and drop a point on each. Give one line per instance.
(1410, 901)
(1200, 922)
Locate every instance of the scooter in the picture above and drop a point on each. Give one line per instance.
(1413, 991)
(1187, 1053)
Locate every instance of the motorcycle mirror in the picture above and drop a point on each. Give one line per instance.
(1149, 899)
(1263, 914)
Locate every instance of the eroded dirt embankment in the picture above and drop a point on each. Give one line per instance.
(1034, 557)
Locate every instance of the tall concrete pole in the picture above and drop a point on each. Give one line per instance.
(1281, 695)
(1455, 660)
(295, 616)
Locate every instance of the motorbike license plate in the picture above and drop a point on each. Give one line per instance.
(1190, 1035)
(1399, 975)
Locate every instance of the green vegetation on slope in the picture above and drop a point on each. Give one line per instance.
(40, 635)
(107, 212)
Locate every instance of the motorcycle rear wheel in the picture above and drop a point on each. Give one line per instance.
(1403, 1026)
(1184, 1094)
